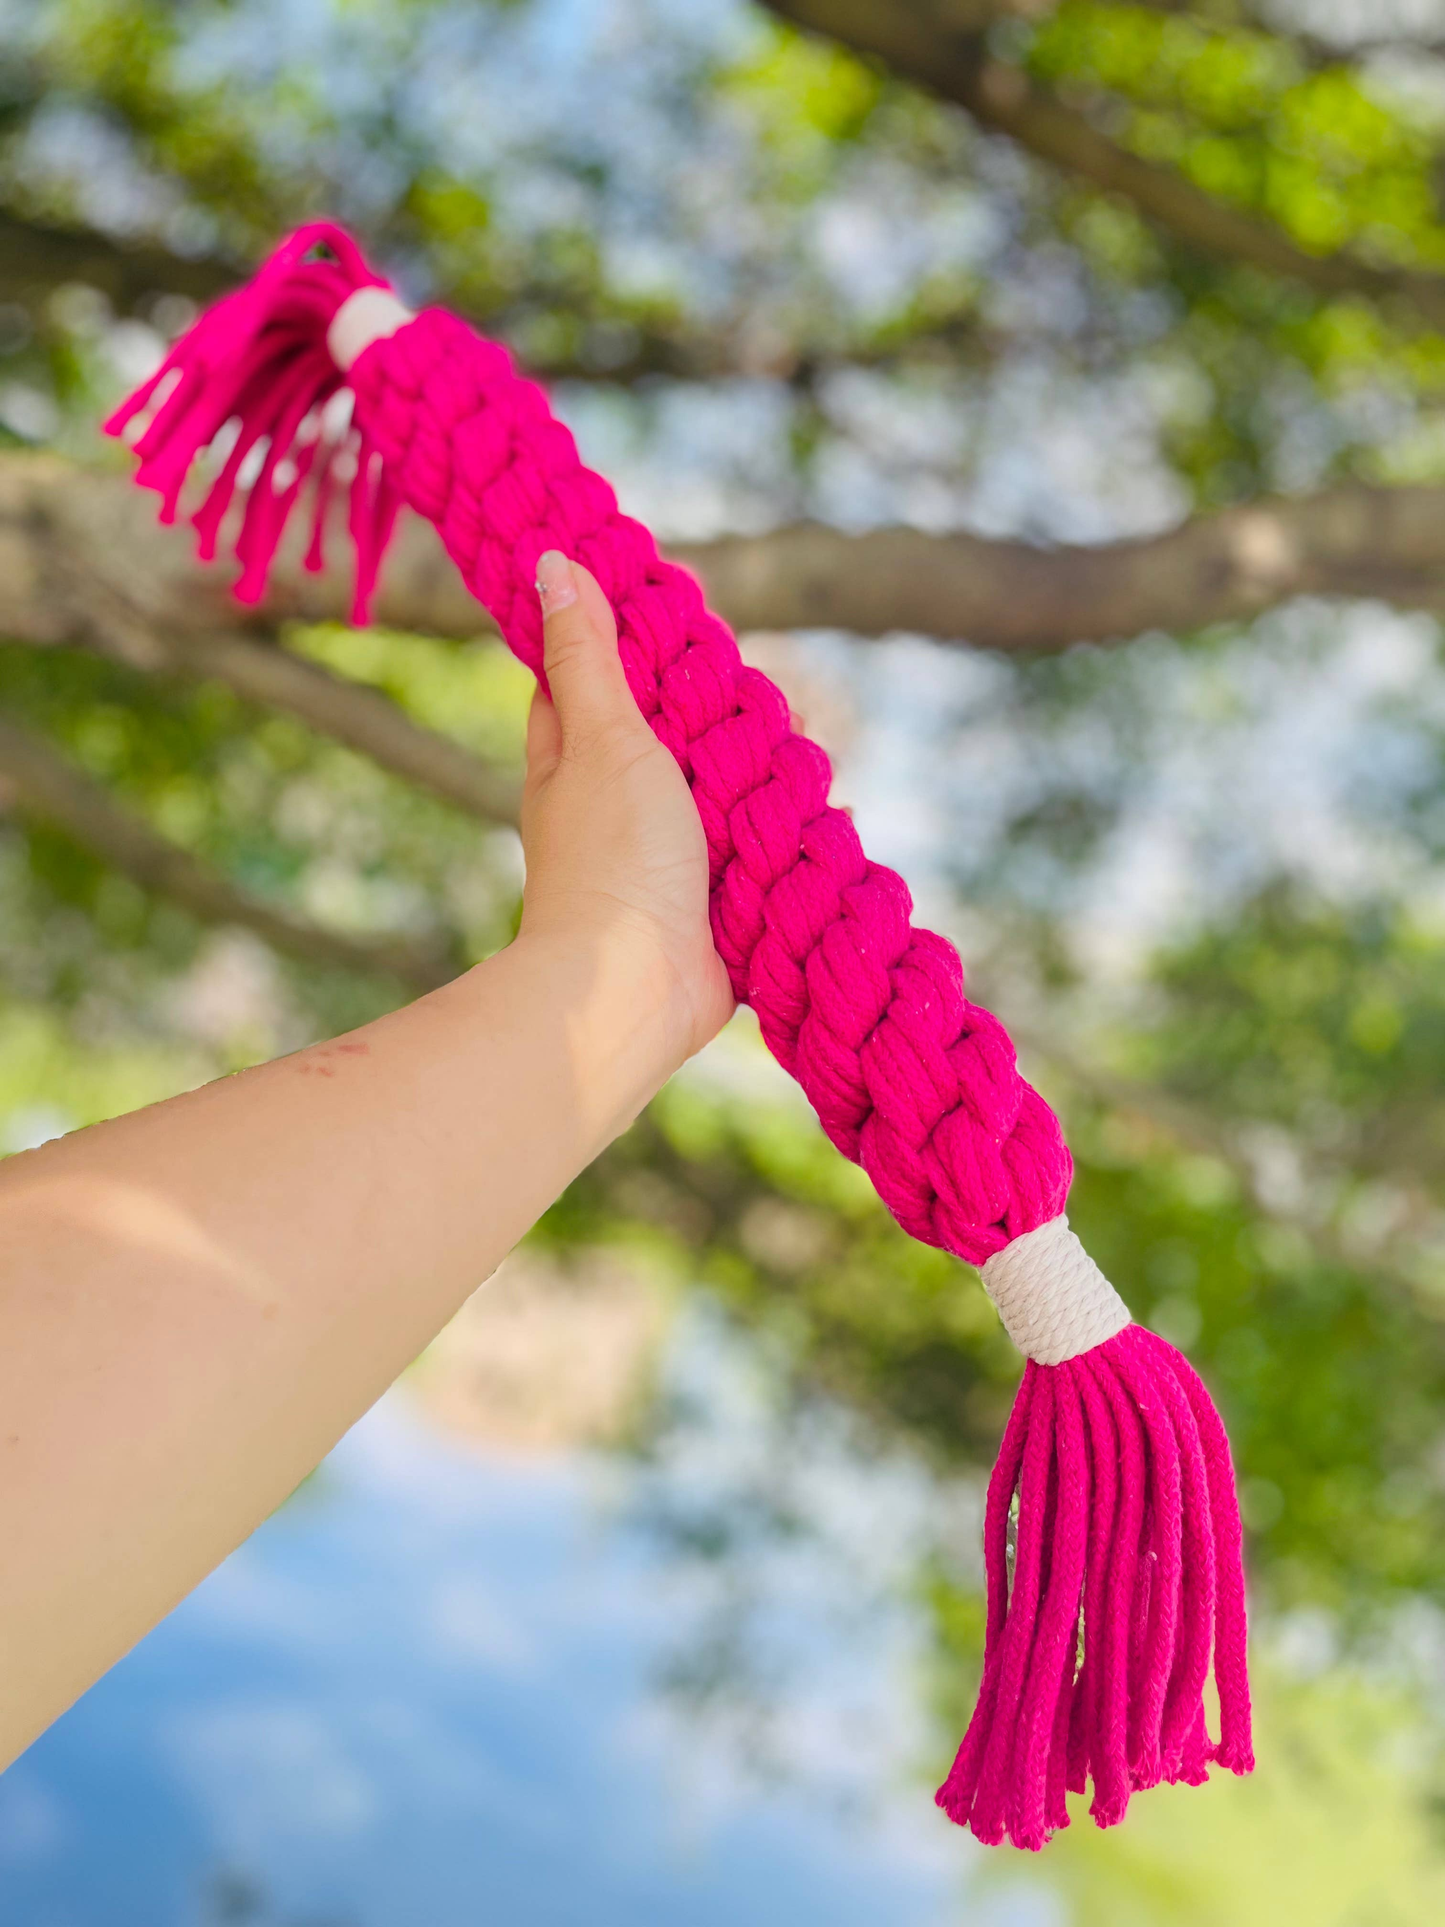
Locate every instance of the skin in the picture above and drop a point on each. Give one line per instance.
(197, 1300)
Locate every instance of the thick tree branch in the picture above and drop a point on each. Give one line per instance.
(938, 47)
(1382, 543)
(82, 561)
(43, 785)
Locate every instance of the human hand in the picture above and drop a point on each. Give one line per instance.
(616, 854)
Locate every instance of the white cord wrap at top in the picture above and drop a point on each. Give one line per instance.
(1053, 1299)
(362, 318)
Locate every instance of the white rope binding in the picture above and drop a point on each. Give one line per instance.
(1053, 1299)
(362, 318)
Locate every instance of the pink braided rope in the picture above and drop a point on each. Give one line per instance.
(869, 1014)
(1127, 1524)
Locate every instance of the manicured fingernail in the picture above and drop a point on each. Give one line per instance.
(556, 584)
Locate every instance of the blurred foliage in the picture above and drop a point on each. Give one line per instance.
(284, 812)
(1341, 1788)
(1245, 116)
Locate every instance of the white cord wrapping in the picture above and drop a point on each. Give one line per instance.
(362, 318)
(1053, 1299)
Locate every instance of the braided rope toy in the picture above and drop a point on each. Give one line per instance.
(1120, 1571)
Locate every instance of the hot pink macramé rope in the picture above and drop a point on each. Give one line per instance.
(1114, 1481)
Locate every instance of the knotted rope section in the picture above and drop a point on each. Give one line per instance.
(1125, 1572)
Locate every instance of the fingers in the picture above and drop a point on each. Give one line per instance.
(584, 671)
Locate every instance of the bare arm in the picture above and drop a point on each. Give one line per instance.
(197, 1300)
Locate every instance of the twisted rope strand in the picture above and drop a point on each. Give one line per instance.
(1043, 1720)
(1111, 1757)
(991, 1801)
(1198, 1584)
(1103, 1442)
(1163, 1564)
(956, 1794)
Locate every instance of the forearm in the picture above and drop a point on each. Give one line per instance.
(197, 1300)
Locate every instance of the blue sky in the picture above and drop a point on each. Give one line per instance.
(427, 1691)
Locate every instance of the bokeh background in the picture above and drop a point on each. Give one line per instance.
(652, 1592)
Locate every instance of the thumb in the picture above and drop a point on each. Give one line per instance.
(579, 648)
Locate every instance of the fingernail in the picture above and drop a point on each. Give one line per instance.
(556, 584)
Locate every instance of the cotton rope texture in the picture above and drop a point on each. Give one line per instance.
(1112, 1536)
(1053, 1299)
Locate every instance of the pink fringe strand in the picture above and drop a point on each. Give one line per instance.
(1126, 1581)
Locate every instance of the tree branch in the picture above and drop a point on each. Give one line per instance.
(1227, 567)
(921, 41)
(45, 786)
(82, 561)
